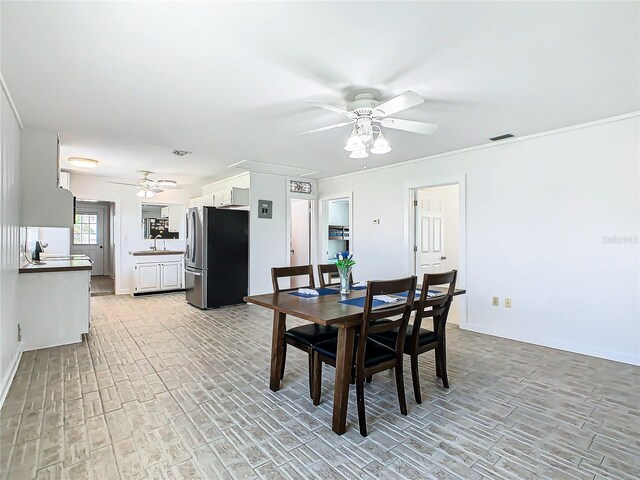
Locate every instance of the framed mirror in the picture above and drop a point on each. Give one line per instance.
(161, 221)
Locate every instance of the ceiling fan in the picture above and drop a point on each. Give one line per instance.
(365, 113)
(148, 188)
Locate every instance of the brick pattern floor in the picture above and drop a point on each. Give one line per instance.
(164, 390)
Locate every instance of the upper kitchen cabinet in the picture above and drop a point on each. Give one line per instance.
(43, 203)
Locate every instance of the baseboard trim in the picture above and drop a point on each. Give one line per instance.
(6, 382)
(556, 344)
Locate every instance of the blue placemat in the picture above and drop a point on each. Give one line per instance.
(321, 292)
(359, 302)
(358, 288)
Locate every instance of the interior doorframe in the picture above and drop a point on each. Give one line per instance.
(323, 215)
(409, 230)
(313, 233)
(117, 235)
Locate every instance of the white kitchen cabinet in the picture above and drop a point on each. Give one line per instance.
(157, 276)
(148, 277)
(170, 276)
(232, 197)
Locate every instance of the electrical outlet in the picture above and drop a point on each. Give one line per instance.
(19, 333)
(496, 301)
(507, 303)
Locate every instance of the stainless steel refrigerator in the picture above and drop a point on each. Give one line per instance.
(216, 256)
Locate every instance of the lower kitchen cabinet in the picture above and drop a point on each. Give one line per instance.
(157, 277)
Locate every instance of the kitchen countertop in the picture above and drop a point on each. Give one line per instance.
(60, 264)
(141, 253)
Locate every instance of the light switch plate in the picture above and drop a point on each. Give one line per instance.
(265, 209)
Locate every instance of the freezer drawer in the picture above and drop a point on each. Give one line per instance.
(196, 287)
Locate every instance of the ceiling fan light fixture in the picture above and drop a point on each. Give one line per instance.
(381, 145)
(360, 153)
(354, 142)
(140, 193)
(81, 162)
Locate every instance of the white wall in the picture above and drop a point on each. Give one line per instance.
(239, 181)
(268, 238)
(339, 213)
(538, 211)
(10, 133)
(128, 229)
(58, 239)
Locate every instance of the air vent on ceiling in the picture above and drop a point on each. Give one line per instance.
(501, 137)
(181, 153)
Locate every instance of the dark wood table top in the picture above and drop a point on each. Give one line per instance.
(323, 309)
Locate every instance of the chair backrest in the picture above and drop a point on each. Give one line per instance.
(331, 270)
(392, 311)
(282, 272)
(436, 307)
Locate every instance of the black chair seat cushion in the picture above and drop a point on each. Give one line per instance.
(311, 334)
(375, 353)
(389, 338)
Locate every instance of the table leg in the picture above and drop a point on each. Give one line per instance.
(277, 346)
(344, 362)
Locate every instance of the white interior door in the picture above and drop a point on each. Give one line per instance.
(430, 245)
(88, 235)
(300, 242)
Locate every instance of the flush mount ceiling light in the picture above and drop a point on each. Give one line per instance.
(166, 183)
(81, 162)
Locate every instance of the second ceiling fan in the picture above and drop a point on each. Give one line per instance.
(367, 116)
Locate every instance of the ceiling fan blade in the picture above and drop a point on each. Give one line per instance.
(122, 183)
(327, 128)
(156, 189)
(398, 103)
(409, 125)
(326, 106)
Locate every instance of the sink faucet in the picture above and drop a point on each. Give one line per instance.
(155, 242)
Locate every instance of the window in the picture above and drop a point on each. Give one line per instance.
(85, 229)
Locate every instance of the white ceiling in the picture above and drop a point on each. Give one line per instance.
(126, 83)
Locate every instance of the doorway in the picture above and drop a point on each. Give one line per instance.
(93, 235)
(336, 230)
(300, 240)
(436, 227)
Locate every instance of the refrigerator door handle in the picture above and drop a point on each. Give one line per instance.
(194, 272)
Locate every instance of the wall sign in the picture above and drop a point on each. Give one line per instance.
(297, 186)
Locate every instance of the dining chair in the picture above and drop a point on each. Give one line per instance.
(304, 336)
(418, 340)
(370, 356)
(331, 270)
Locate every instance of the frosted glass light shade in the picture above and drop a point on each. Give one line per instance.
(361, 153)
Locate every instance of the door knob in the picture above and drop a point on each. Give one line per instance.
(292, 251)
(443, 258)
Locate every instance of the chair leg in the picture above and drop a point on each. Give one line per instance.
(438, 368)
(284, 359)
(442, 353)
(369, 378)
(362, 418)
(415, 376)
(311, 374)
(316, 391)
(400, 386)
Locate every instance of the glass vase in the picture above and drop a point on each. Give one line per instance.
(345, 277)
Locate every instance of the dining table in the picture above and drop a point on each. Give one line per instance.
(340, 310)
